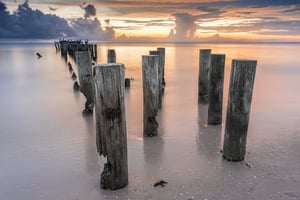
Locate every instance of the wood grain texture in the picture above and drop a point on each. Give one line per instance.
(216, 83)
(238, 109)
(150, 94)
(86, 80)
(111, 56)
(204, 64)
(160, 77)
(162, 62)
(111, 136)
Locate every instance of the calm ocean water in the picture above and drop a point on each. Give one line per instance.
(48, 149)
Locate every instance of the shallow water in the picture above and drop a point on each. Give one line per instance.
(48, 149)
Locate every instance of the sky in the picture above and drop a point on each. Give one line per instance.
(157, 20)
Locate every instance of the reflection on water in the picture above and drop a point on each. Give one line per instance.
(153, 154)
(46, 141)
(209, 136)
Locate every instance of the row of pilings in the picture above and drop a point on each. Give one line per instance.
(69, 47)
(103, 86)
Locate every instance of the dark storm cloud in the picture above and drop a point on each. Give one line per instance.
(90, 11)
(28, 23)
(2, 7)
(91, 28)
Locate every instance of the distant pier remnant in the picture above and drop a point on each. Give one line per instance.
(74, 76)
(162, 61)
(238, 109)
(111, 56)
(76, 86)
(95, 52)
(64, 51)
(216, 82)
(127, 82)
(71, 46)
(111, 124)
(57, 46)
(204, 64)
(160, 77)
(150, 94)
(85, 72)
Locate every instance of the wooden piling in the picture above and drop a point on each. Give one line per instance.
(162, 61)
(216, 82)
(127, 82)
(74, 76)
(64, 51)
(111, 124)
(150, 94)
(204, 64)
(76, 86)
(111, 56)
(160, 77)
(85, 73)
(95, 56)
(238, 109)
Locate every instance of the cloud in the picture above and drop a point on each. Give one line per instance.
(2, 7)
(90, 26)
(29, 23)
(34, 24)
(292, 10)
(90, 11)
(185, 27)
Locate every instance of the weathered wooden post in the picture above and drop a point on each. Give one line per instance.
(162, 61)
(238, 109)
(111, 124)
(76, 86)
(204, 63)
(127, 82)
(95, 56)
(111, 56)
(160, 78)
(64, 51)
(85, 72)
(216, 82)
(74, 76)
(56, 45)
(150, 94)
(91, 50)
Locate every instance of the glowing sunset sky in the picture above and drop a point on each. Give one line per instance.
(209, 20)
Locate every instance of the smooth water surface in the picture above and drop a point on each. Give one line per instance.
(48, 149)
